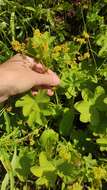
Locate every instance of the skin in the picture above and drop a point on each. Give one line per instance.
(21, 73)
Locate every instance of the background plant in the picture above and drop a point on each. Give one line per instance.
(59, 142)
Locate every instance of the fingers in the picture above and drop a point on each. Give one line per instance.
(43, 78)
(28, 61)
(48, 79)
(40, 76)
(34, 93)
(24, 60)
(34, 65)
(52, 79)
(50, 92)
(39, 68)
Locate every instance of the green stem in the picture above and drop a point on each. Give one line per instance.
(89, 44)
(11, 180)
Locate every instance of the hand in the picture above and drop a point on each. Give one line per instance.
(21, 73)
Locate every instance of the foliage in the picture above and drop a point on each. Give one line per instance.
(57, 143)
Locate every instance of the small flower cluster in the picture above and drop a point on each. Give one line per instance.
(64, 153)
(82, 39)
(84, 56)
(99, 173)
(17, 46)
(63, 47)
(75, 186)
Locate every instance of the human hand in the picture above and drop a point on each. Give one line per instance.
(21, 73)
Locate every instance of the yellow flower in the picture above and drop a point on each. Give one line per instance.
(34, 45)
(62, 47)
(20, 122)
(85, 56)
(55, 55)
(80, 40)
(57, 48)
(74, 63)
(9, 109)
(85, 35)
(65, 47)
(85, 6)
(64, 153)
(75, 186)
(17, 46)
(91, 188)
(37, 33)
(99, 173)
(32, 142)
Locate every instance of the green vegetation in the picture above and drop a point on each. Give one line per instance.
(57, 143)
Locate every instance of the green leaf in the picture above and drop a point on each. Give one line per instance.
(35, 116)
(102, 142)
(27, 103)
(7, 121)
(46, 171)
(49, 138)
(37, 171)
(67, 171)
(5, 182)
(100, 102)
(84, 108)
(42, 181)
(44, 163)
(91, 105)
(2, 2)
(10, 170)
(24, 162)
(35, 108)
(95, 116)
(99, 91)
(87, 94)
(66, 122)
(102, 41)
(30, 8)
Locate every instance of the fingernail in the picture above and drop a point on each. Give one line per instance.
(50, 92)
(34, 93)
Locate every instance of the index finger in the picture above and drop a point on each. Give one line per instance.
(35, 65)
